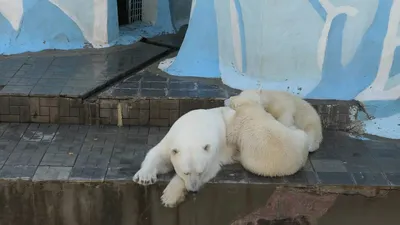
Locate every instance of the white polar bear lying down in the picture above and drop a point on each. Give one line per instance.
(266, 146)
(195, 147)
(290, 110)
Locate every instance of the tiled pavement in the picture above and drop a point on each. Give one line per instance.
(72, 73)
(79, 73)
(149, 84)
(152, 82)
(44, 152)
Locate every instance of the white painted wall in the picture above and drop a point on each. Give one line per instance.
(12, 11)
(149, 11)
(93, 23)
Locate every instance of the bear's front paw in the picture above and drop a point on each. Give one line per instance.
(145, 177)
(172, 197)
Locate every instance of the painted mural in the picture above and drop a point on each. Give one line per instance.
(35, 25)
(319, 49)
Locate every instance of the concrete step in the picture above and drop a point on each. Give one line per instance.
(119, 85)
(77, 174)
(108, 95)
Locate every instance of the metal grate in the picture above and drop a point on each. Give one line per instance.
(135, 10)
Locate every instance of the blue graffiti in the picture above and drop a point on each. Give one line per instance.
(318, 7)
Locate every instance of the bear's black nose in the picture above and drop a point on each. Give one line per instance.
(192, 192)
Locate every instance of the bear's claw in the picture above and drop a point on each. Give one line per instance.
(145, 177)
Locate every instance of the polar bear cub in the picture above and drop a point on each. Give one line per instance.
(266, 146)
(195, 147)
(291, 111)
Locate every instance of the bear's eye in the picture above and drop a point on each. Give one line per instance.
(174, 151)
(186, 174)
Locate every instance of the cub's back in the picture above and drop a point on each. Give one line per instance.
(252, 122)
(281, 101)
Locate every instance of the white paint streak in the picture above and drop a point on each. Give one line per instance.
(236, 38)
(331, 13)
(100, 23)
(376, 90)
(150, 11)
(95, 30)
(12, 11)
(194, 2)
(165, 64)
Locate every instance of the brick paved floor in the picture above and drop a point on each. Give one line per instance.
(44, 152)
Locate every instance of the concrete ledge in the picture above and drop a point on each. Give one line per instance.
(119, 203)
(43, 152)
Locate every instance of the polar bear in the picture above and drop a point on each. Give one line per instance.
(266, 146)
(291, 111)
(195, 147)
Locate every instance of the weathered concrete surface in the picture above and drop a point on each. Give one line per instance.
(125, 203)
(292, 206)
(352, 210)
(58, 203)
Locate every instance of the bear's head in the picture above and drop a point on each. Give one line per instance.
(244, 98)
(192, 163)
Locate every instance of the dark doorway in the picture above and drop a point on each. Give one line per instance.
(129, 11)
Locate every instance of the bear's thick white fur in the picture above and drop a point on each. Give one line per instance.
(290, 110)
(195, 147)
(266, 146)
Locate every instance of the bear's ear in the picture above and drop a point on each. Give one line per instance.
(174, 151)
(206, 148)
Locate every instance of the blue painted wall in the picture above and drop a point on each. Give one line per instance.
(320, 49)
